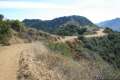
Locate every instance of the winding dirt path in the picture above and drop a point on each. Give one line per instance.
(67, 38)
(9, 56)
(98, 33)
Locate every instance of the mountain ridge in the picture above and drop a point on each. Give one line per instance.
(58, 22)
(114, 24)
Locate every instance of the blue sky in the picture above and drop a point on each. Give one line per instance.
(95, 10)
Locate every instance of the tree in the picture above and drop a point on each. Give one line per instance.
(17, 25)
(81, 30)
(108, 30)
(1, 17)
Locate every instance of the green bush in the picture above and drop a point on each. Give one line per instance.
(107, 47)
(5, 32)
(7, 27)
(70, 30)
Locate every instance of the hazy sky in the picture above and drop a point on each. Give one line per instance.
(95, 10)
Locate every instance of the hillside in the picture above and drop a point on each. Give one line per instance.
(114, 24)
(14, 32)
(34, 62)
(51, 25)
(32, 54)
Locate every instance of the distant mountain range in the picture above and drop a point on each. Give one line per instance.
(114, 24)
(50, 25)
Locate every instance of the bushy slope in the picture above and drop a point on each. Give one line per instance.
(70, 30)
(107, 47)
(14, 31)
(9, 28)
(104, 51)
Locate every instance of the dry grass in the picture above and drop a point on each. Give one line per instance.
(41, 64)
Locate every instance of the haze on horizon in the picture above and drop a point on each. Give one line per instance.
(95, 10)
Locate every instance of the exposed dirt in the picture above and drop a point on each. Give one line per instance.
(9, 60)
(98, 33)
(67, 38)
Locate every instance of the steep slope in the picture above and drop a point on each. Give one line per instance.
(35, 62)
(113, 24)
(41, 64)
(49, 25)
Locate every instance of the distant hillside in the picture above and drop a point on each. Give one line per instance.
(50, 25)
(113, 24)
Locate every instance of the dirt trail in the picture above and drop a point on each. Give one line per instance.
(99, 33)
(9, 56)
(67, 38)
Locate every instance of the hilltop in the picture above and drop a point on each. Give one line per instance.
(53, 25)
